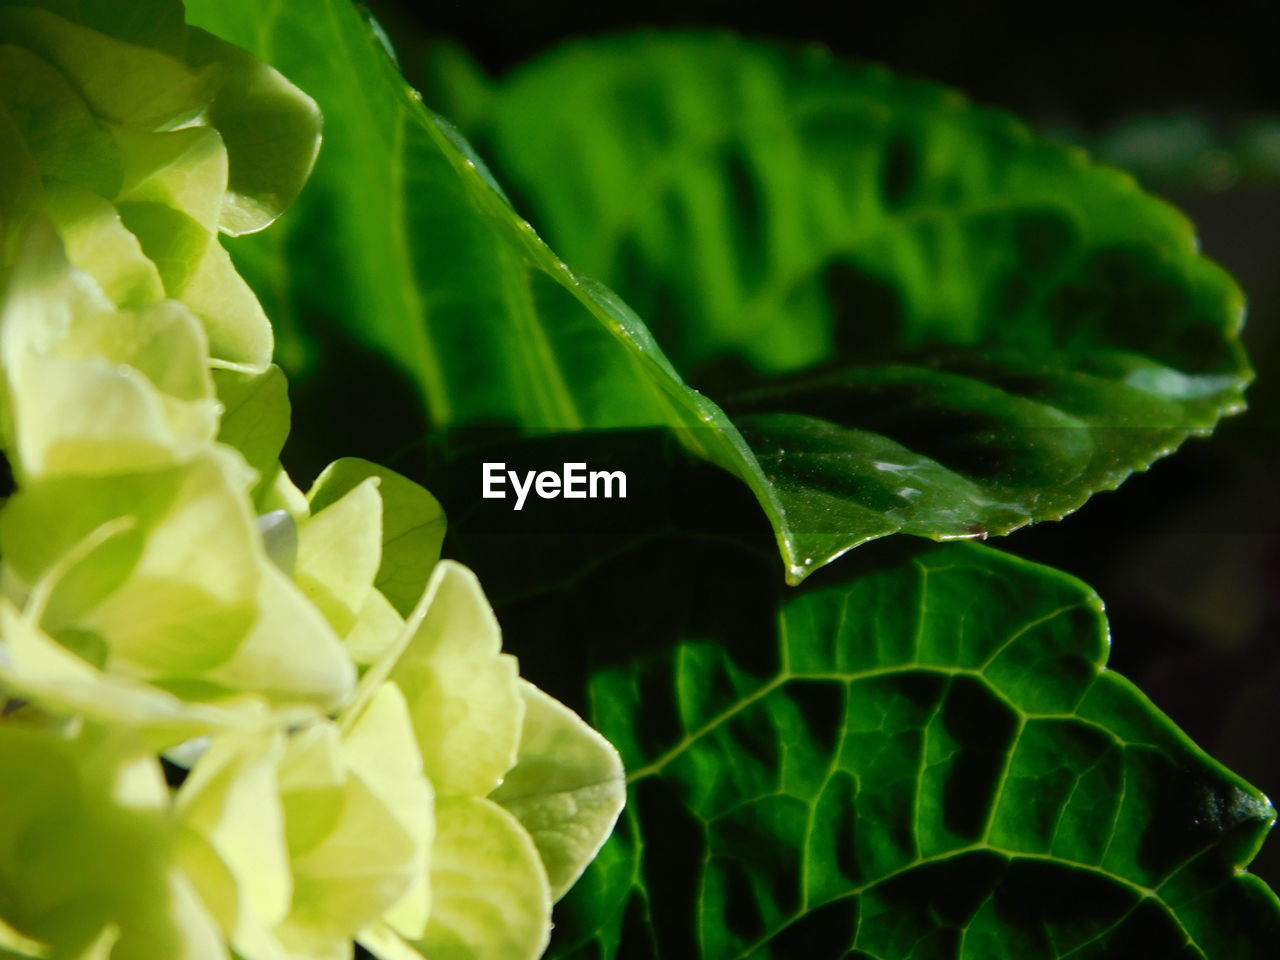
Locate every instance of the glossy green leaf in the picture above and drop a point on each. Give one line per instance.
(403, 241)
(922, 317)
(474, 306)
(932, 762)
(1002, 329)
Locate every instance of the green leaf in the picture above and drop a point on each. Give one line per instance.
(1002, 329)
(943, 325)
(932, 762)
(403, 241)
(475, 307)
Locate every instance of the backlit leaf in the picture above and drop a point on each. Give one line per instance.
(919, 317)
(932, 762)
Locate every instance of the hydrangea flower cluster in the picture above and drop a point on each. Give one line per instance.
(238, 720)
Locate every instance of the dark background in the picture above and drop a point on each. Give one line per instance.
(1186, 557)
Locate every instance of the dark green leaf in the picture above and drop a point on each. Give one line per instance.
(403, 242)
(932, 763)
(943, 325)
(402, 239)
(1041, 328)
